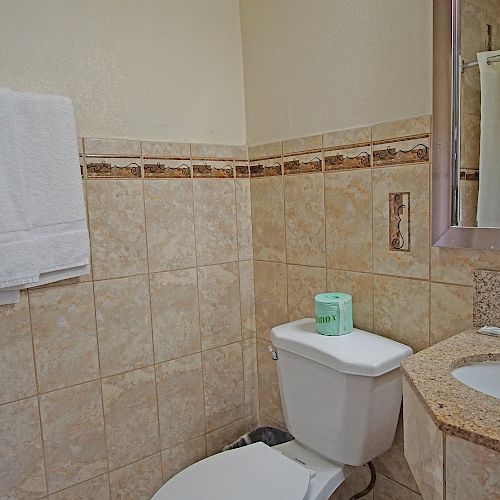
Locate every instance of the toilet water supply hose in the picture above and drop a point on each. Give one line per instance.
(370, 486)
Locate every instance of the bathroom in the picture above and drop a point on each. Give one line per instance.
(237, 158)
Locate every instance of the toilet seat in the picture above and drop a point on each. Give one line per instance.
(247, 473)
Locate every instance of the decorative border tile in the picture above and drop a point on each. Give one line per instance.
(213, 169)
(469, 175)
(242, 171)
(267, 167)
(113, 168)
(348, 158)
(399, 222)
(305, 163)
(177, 168)
(400, 152)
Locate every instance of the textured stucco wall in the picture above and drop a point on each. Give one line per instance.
(333, 64)
(151, 69)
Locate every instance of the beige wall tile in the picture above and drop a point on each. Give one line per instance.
(402, 310)
(270, 296)
(360, 287)
(73, 435)
(472, 471)
(244, 218)
(131, 416)
(302, 144)
(183, 455)
(138, 481)
(166, 149)
(64, 335)
(415, 180)
(393, 464)
(456, 265)
(268, 219)
(305, 220)
(266, 421)
(250, 377)
(123, 324)
(216, 440)
(269, 393)
(241, 153)
(223, 385)
(117, 228)
(215, 221)
(170, 224)
(22, 473)
(247, 299)
(418, 125)
(219, 299)
(451, 310)
(265, 150)
(348, 210)
(357, 481)
(95, 489)
(386, 489)
(174, 308)
(347, 137)
(212, 151)
(303, 284)
(121, 147)
(423, 445)
(16, 352)
(180, 400)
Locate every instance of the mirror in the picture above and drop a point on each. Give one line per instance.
(477, 113)
(466, 124)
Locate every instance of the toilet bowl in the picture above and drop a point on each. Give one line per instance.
(341, 398)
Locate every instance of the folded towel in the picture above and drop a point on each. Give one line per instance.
(49, 150)
(18, 258)
(43, 230)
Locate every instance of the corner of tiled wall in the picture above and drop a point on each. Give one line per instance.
(321, 221)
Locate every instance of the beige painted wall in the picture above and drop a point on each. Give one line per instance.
(151, 69)
(333, 64)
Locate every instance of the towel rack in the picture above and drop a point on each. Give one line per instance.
(464, 65)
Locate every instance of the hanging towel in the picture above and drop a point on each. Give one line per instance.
(49, 152)
(50, 239)
(18, 257)
(488, 206)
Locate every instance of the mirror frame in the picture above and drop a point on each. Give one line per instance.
(444, 181)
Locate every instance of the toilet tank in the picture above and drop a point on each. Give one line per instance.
(341, 396)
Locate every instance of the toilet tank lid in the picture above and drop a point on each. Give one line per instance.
(357, 353)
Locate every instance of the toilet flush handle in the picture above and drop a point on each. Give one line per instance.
(273, 352)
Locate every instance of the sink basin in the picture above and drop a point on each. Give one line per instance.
(483, 377)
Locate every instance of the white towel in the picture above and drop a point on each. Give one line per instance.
(488, 205)
(49, 151)
(45, 146)
(18, 258)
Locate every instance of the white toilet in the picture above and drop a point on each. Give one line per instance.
(341, 398)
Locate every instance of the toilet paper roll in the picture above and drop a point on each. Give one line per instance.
(333, 313)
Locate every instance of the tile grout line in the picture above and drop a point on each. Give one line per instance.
(198, 300)
(158, 427)
(44, 453)
(96, 327)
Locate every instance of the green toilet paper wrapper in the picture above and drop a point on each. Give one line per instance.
(333, 313)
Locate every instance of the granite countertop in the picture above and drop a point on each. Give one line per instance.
(456, 408)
